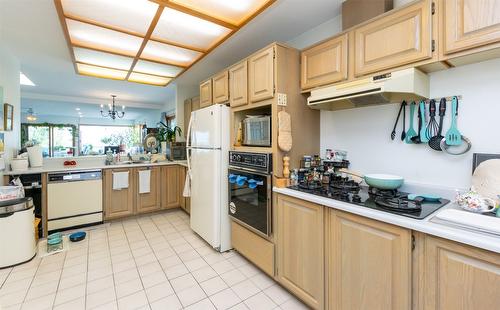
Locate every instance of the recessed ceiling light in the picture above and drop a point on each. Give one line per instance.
(24, 80)
(78, 109)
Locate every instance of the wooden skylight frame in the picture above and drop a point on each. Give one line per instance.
(190, 53)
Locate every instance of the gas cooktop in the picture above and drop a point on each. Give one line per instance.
(392, 201)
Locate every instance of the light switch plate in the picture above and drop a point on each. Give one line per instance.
(281, 99)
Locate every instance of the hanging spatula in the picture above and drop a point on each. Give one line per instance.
(423, 131)
(435, 142)
(411, 133)
(453, 136)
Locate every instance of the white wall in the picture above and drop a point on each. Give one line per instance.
(318, 33)
(9, 80)
(365, 132)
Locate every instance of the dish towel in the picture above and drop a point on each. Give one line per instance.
(464, 219)
(120, 180)
(187, 185)
(144, 181)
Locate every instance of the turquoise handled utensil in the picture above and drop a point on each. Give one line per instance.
(411, 131)
(425, 197)
(453, 136)
(423, 131)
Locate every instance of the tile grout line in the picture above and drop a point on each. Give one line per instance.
(111, 259)
(32, 279)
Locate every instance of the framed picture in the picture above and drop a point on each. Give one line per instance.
(2, 145)
(8, 117)
(1, 108)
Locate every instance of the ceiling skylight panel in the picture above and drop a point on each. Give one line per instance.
(157, 69)
(148, 79)
(90, 36)
(169, 54)
(231, 11)
(101, 72)
(130, 15)
(102, 59)
(181, 28)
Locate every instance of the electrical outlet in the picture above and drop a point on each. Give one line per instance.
(281, 99)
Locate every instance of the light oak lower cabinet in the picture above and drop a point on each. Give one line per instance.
(469, 24)
(460, 277)
(170, 188)
(394, 40)
(148, 202)
(300, 249)
(369, 264)
(118, 203)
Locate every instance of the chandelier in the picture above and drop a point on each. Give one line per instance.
(112, 112)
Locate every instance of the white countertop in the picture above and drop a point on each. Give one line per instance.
(79, 167)
(484, 241)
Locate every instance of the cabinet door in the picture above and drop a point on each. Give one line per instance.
(469, 24)
(220, 84)
(299, 242)
(460, 277)
(369, 264)
(238, 79)
(170, 187)
(261, 75)
(324, 63)
(394, 40)
(118, 203)
(148, 202)
(206, 94)
(187, 114)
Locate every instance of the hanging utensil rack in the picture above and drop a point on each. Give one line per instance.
(448, 99)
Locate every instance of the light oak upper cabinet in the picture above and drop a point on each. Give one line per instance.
(261, 75)
(195, 103)
(396, 39)
(299, 242)
(369, 264)
(460, 277)
(238, 78)
(148, 201)
(170, 188)
(118, 203)
(220, 84)
(206, 94)
(469, 24)
(324, 63)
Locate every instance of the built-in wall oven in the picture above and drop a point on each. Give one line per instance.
(250, 182)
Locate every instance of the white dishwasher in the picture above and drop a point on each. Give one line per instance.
(74, 199)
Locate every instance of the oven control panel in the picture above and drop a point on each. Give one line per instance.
(258, 161)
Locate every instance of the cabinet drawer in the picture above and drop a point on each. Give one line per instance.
(257, 249)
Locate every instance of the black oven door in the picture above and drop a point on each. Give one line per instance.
(250, 200)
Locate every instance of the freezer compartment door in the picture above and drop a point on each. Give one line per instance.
(205, 194)
(205, 127)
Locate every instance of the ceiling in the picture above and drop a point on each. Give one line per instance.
(31, 30)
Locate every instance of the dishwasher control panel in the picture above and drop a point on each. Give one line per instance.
(72, 176)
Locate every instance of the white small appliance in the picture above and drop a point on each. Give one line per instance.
(207, 151)
(257, 130)
(17, 231)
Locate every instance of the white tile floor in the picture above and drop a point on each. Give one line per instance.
(149, 262)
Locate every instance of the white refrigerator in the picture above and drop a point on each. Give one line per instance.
(207, 159)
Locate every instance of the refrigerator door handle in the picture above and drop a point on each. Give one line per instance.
(188, 136)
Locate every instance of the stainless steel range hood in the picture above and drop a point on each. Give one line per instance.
(409, 84)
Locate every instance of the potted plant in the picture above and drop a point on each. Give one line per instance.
(166, 134)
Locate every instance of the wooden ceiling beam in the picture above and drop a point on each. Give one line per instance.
(183, 9)
(151, 28)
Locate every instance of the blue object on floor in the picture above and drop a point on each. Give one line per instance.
(78, 236)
